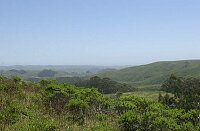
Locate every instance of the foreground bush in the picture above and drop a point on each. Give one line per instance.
(141, 114)
(49, 106)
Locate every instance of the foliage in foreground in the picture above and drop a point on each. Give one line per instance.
(49, 106)
(141, 114)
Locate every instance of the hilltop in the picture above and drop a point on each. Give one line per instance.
(154, 73)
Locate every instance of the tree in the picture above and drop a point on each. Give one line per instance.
(105, 85)
(186, 92)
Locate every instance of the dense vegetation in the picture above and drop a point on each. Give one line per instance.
(50, 106)
(155, 73)
(186, 92)
(105, 85)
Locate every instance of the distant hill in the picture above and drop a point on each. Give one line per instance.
(154, 73)
(66, 68)
(47, 73)
(32, 71)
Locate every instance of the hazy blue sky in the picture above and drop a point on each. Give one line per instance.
(98, 32)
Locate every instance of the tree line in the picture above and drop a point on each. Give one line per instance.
(105, 85)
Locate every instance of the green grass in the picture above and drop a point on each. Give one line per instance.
(147, 94)
(155, 73)
(153, 95)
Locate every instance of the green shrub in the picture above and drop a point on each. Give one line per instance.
(78, 110)
(130, 121)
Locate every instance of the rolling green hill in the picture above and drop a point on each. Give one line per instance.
(154, 73)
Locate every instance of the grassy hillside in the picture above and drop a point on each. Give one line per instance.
(155, 73)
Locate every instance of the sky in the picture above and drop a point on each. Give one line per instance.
(98, 32)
